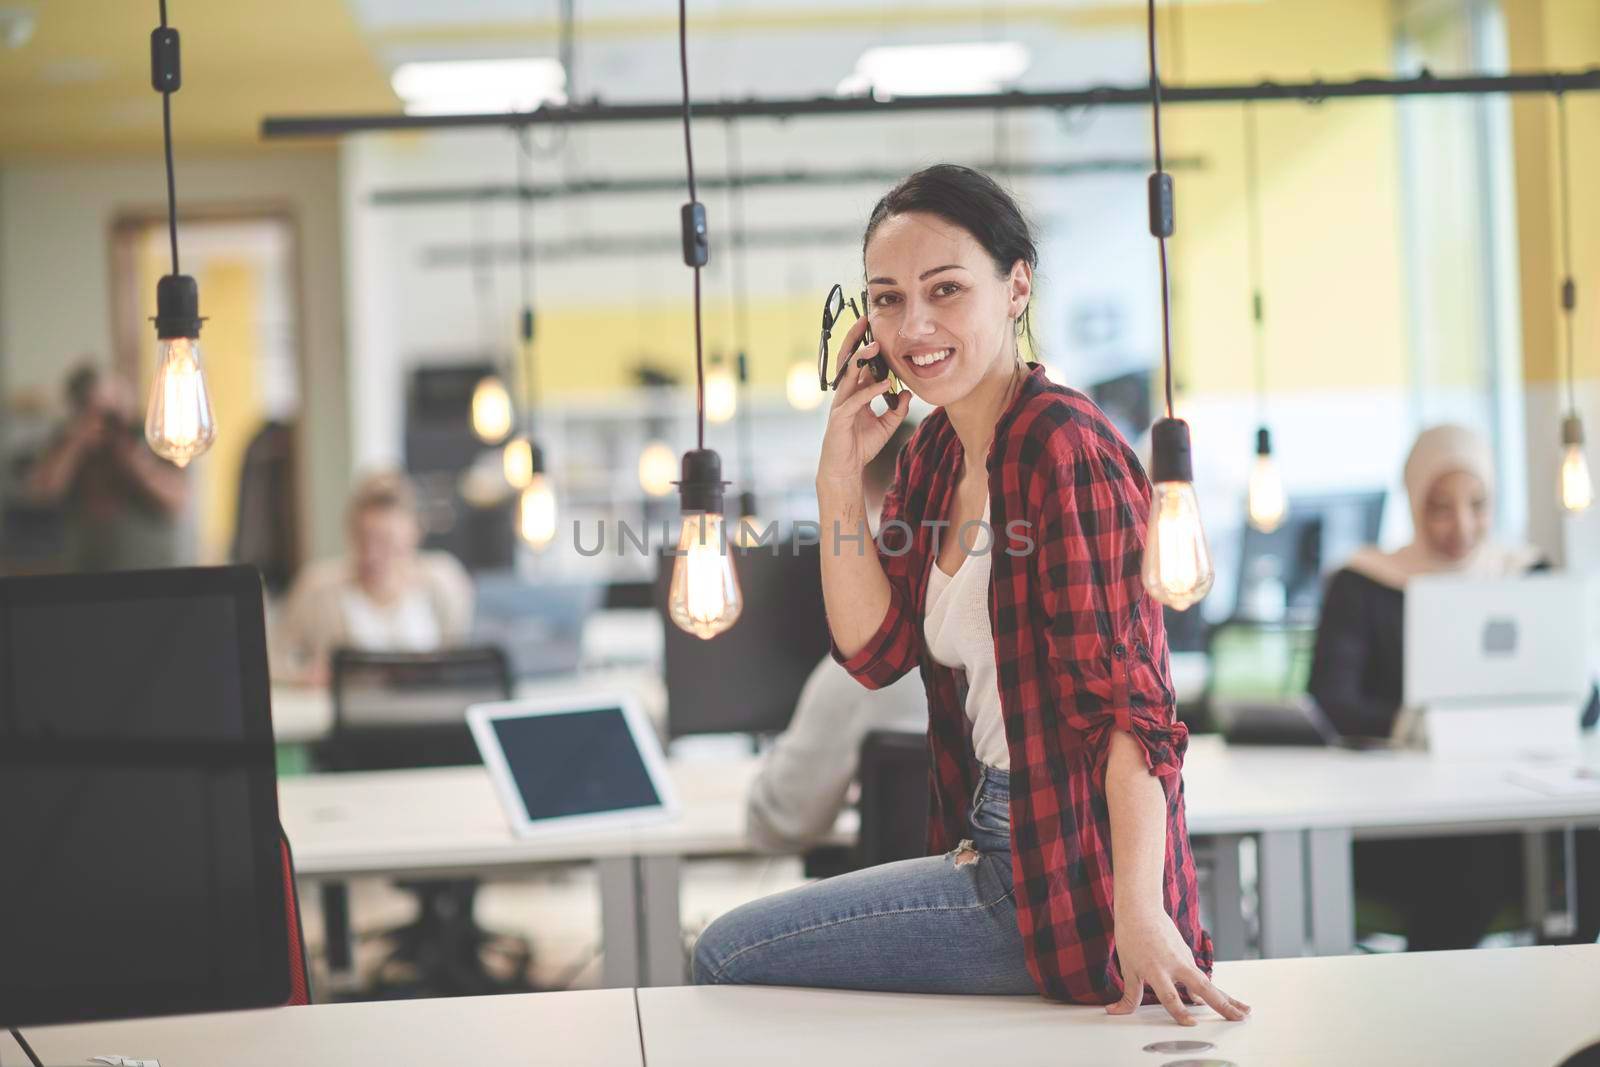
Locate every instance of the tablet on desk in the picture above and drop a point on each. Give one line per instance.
(573, 763)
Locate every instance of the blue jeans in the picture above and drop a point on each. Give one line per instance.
(939, 924)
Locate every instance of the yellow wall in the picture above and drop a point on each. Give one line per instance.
(1330, 204)
(1558, 34)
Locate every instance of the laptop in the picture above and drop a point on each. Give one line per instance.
(574, 763)
(1497, 664)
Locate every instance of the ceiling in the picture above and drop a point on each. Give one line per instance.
(80, 85)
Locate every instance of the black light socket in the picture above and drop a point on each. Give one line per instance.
(1572, 431)
(747, 504)
(1569, 295)
(166, 67)
(744, 369)
(1170, 460)
(527, 325)
(701, 486)
(538, 457)
(177, 307)
(696, 241)
(1263, 442)
(1161, 209)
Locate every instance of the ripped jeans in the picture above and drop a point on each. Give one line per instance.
(939, 924)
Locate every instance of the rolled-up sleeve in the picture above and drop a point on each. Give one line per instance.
(1107, 642)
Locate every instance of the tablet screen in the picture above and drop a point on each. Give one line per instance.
(575, 763)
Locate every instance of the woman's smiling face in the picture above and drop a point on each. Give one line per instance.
(940, 311)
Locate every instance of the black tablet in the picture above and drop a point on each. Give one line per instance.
(140, 869)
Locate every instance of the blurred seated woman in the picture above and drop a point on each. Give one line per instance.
(1446, 891)
(385, 596)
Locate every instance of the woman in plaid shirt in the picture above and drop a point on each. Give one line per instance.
(1056, 754)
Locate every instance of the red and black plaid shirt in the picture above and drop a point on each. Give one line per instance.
(1081, 651)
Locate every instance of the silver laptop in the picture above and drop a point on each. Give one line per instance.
(1483, 642)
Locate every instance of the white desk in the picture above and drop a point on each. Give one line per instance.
(588, 1029)
(1304, 808)
(303, 714)
(1493, 1008)
(448, 821)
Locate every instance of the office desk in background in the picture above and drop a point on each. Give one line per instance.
(1302, 807)
(1485, 1008)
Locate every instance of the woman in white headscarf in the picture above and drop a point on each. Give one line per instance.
(1446, 890)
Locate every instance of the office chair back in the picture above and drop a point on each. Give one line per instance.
(397, 710)
(894, 796)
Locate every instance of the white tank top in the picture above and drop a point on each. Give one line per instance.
(956, 628)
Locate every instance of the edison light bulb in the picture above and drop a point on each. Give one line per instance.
(536, 512)
(1577, 488)
(722, 395)
(657, 467)
(179, 424)
(1177, 564)
(491, 410)
(1267, 503)
(704, 598)
(517, 462)
(801, 388)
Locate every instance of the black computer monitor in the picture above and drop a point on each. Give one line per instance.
(140, 863)
(1318, 534)
(748, 679)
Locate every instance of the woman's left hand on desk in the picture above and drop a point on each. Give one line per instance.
(1151, 952)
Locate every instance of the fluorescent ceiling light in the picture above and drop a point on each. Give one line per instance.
(937, 69)
(465, 87)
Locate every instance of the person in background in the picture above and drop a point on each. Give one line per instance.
(803, 784)
(121, 501)
(385, 596)
(1446, 891)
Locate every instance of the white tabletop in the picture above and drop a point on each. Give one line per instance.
(586, 1029)
(400, 822)
(1244, 789)
(1489, 1007)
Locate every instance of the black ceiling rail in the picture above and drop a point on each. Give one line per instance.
(426, 195)
(632, 244)
(596, 111)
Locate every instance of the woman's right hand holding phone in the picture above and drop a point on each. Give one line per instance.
(855, 434)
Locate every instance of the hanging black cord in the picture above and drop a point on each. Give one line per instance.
(1161, 241)
(27, 1050)
(166, 132)
(1569, 295)
(688, 152)
(741, 310)
(1252, 186)
(525, 263)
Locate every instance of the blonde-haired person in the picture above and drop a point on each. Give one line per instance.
(385, 595)
(1446, 891)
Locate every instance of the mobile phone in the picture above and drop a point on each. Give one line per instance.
(879, 364)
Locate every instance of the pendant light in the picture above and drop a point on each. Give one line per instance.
(492, 413)
(1266, 502)
(1575, 486)
(749, 530)
(704, 597)
(178, 423)
(1177, 568)
(523, 459)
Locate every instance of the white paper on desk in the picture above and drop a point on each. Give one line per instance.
(1559, 779)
